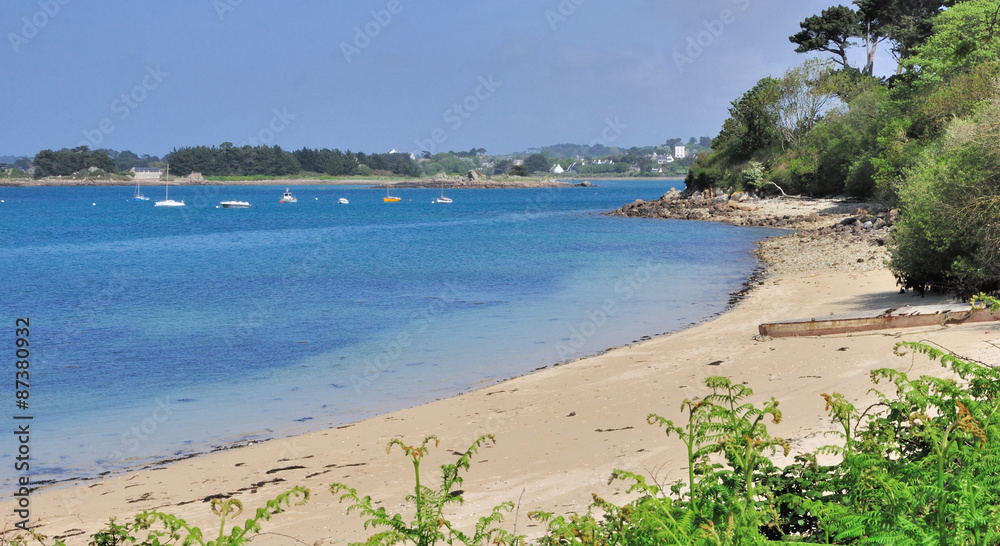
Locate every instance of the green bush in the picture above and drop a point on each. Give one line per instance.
(948, 237)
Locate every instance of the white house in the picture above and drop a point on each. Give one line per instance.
(557, 169)
(145, 173)
(680, 152)
(412, 157)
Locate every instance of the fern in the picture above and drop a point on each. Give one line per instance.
(430, 525)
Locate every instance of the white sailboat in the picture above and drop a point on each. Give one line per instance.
(167, 201)
(443, 199)
(138, 194)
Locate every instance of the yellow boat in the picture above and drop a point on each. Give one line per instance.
(389, 198)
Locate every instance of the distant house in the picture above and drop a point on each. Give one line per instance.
(680, 152)
(412, 157)
(661, 159)
(557, 169)
(518, 162)
(145, 173)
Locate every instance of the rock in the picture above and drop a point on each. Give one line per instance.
(473, 175)
(584, 184)
(672, 195)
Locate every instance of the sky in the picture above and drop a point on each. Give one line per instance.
(377, 75)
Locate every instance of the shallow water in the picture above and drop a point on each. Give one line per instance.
(161, 332)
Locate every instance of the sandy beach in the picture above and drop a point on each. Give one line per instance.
(562, 430)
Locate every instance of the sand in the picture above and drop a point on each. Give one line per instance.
(561, 431)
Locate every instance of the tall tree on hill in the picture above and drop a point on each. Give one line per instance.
(830, 31)
(905, 23)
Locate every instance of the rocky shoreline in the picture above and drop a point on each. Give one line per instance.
(839, 232)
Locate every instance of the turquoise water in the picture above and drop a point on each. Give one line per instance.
(161, 332)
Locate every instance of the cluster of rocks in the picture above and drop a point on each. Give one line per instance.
(738, 208)
(835, 232)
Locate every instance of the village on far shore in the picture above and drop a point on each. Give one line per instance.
(254, 165)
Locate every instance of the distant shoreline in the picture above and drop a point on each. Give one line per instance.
(451, 182)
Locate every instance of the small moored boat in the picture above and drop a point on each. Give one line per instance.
(443, 199)
(288, 197)
(167, 201)
(235, 205)
(343, 201)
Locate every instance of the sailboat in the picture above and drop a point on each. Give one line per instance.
(138, 194)
(443, 199)
(167, 201)
(389, 198)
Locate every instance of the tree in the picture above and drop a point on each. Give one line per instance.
(907, 23)
(503, 166)
(948, 236)
(831, 31)
(872, 27)
(803, 99)
(963, 37)
(537, 163)
(753, 122)
(103, 161)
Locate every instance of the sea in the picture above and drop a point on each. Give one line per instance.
(158, 333)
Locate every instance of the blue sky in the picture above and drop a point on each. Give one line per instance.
(502, 75)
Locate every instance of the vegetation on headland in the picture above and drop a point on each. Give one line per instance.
(233, 163)
(919, 466)
(925, 139)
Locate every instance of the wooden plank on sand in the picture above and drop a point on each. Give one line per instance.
(904, 317)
